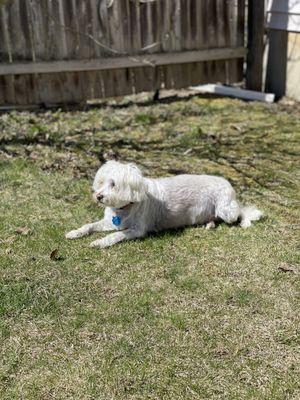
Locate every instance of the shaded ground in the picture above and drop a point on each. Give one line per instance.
(190, 314)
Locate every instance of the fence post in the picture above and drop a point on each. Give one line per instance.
(256, 28)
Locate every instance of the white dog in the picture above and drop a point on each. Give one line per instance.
(136, 205)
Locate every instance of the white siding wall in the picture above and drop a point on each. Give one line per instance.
(283, 23)
(284, 15)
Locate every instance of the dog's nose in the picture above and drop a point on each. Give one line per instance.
(99, 197)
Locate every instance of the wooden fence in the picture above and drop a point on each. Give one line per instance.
(68, 51)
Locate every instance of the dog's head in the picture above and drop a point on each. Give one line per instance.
(117, 184)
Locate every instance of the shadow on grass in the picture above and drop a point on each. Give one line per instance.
(44, 108)
(177, 232)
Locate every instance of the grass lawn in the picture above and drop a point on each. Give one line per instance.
(187, 314)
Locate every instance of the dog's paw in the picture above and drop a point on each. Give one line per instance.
(74, 234)
(100, 243)
(210, 225)
(245, 224)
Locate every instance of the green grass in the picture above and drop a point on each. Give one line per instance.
(186, 314)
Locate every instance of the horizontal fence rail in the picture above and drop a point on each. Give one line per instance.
(122, 62)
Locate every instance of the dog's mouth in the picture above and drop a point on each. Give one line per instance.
(120, 207)
(124, 208)
(102, 201)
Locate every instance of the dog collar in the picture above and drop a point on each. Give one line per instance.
(125, 207)
(116, 219)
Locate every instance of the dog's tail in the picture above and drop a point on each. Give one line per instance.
(249, 214)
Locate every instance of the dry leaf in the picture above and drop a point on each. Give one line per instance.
(236, 127)
(285, 268)
(54, 254)
(187, 152)
(23, 230)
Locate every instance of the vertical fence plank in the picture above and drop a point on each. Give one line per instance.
(63, 39)
(196, 41)
(115, 27)
(256, 16)
(209, 13)
(8, 83)
(84, 28)
(240, 34)
(37, 23)
(94, 7)
(28, 11)
(211, 22)
(173, 39)
(71, 28)
(230, 35)
(25, 89)
(198, 33)
(17, 38)
(54, 28)
(240, 39)
(3, 49)
(166, 35)
(146, 78)
(120, 80)
(2, 89)
(6, 34)
(191, 73)
(136, 42)
(106, 77)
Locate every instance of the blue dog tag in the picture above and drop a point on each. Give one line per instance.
(116, 220)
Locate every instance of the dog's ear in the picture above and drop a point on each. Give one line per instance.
(136, 182)
(135, 167)
(96, 180)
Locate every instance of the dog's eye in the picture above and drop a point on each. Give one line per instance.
(112, 184)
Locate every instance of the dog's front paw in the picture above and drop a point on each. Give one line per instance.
(74, 234)
(210, 225)
(100, 243)
(245, 224)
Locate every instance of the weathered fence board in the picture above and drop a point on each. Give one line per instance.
(61, 51)
(256, 17)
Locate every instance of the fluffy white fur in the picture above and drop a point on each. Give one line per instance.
(143, 205)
